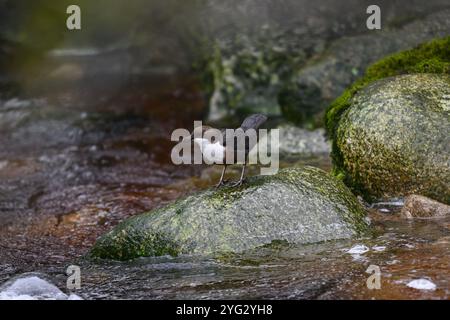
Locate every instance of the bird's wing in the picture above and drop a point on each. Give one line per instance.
(253, 122)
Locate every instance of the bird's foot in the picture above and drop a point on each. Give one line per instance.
(221, 183)
(237, 183)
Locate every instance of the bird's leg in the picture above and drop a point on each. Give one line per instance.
(241, 180)
(221, 181)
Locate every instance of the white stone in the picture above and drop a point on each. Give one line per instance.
(422, 284)
(358, 249)
(31, 287)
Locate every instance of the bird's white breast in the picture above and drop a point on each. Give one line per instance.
(212, 152)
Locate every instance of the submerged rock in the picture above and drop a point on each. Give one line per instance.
(394, 140)
(297, 205)
(423, 207)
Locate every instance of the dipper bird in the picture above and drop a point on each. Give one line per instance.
(216, 151)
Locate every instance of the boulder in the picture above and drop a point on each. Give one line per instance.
(422, 207)
(297, 205)
(393, 139)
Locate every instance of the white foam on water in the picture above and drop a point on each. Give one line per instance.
(395, 202)
(358, 249)
(33, 288)
(422, 284)
(378, 248)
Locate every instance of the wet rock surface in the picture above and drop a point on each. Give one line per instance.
(394, 138)
(297, 205)
(422, 207)
(404, 251)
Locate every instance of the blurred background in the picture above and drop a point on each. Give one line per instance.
(232, 57)
(86, 115)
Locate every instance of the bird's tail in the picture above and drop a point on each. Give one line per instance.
(253, 122)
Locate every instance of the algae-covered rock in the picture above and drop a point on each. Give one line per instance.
(297, 205)
(244, 75)
(394, 138)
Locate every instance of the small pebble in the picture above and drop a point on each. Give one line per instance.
(422, 207)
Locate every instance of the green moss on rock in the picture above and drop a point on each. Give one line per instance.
(244, 74)
(297, 205)
(431, 57)
(394, 138)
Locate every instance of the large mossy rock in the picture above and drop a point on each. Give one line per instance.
(297, 205)
(394, 138)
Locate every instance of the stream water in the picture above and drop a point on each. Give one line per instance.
(71, 171)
